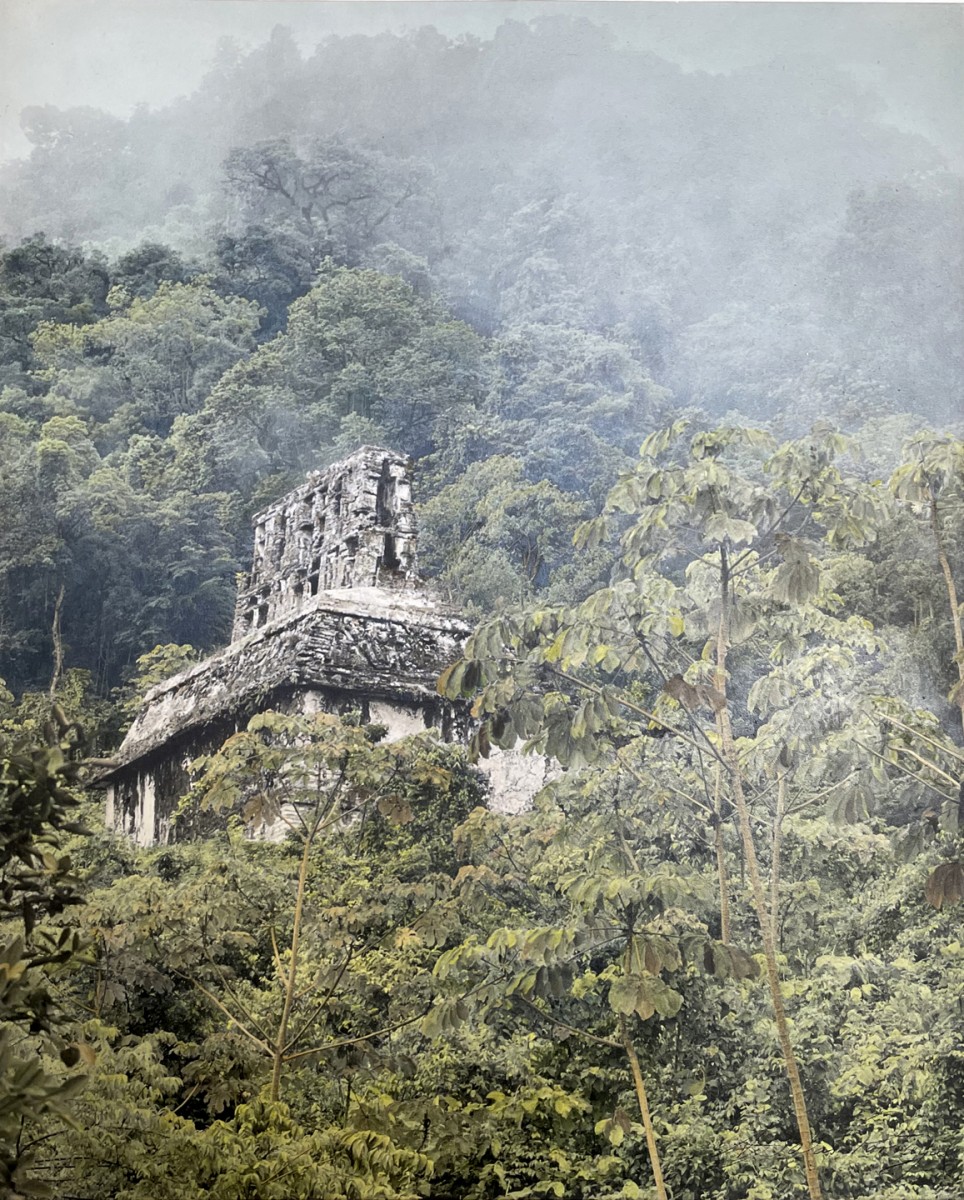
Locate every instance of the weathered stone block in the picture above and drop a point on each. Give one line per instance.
(331, 617)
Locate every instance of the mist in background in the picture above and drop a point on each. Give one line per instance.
(241, 239)
(116, 54)
(764, 198)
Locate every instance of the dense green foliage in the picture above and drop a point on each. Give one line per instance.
(413, 995)
(665, 409)
(253, 281)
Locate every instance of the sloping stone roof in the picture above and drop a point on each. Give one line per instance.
(367, 641)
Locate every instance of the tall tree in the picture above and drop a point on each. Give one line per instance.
(38, 807)
(43, 281)
(720, 545)
(336, 197)
(931, 481)
(363, 358)
(151, 359)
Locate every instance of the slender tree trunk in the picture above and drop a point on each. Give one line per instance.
(723, 880)
(951, 599)
(58, 644)
(629, 1047)
(289, 980)
(732, 761)
(775, 853)
(643, 1102)
(724, 883)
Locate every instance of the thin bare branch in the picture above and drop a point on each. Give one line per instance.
(230, 1015)
(353, 1041)
(590, 1037)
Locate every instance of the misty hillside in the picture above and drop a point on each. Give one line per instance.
(511, 257)
(743, 229)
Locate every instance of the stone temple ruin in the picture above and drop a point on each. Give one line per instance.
(332, 617)
(352, 526)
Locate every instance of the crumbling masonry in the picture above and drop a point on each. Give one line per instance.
(352, 526)
(332, 617)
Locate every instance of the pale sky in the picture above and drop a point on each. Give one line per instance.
(114, 54)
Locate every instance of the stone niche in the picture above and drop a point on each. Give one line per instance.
(332, 617)
(350, 526)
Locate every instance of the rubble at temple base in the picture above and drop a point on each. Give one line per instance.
(331, 618)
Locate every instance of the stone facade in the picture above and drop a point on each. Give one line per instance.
(331, 617)
(350, 526)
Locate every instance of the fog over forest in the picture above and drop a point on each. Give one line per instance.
(650, 319)
(792, 216)
(604, 216)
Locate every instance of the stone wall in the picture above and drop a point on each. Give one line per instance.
(144, 798)
(352, 525)
(363, 641)
(368, 649)
(331, 618)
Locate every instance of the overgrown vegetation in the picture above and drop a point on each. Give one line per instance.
(671, 457)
